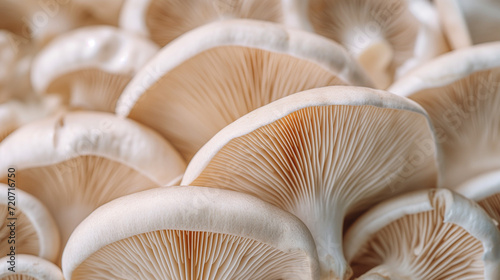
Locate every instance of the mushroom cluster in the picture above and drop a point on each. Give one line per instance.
(250, 139)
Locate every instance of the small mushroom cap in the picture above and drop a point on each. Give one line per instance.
(92, 64)
(322, 154)
(187, 233)
(212, 75)
(28, 267)
(36, 231)
(435, 234)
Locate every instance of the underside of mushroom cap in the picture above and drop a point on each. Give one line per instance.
(28, 267)
(92, 65)
(163, 21)
(35, 232)
(187, 233)
(322, 154)
(217, 73)
(432, 234)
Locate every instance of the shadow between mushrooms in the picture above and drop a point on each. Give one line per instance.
(217, 73)
(322, 154)
(190, 233)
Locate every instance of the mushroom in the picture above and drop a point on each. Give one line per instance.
(106, 11)
(213, 75)
(461, 92)
(163, 21)
(92, 65)
(387, 37)
(26, 224)
(322, 154)
(431, 234)
(468, 23)
(78, 161)
(190, 233)
(29, 267)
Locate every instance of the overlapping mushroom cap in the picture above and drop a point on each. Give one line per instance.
(190, 233)
(92, 65)
(461, 92)
(28, 267)
(213, 75)
(26, 224)
(432, 234)
(77, 161)
(323, 154)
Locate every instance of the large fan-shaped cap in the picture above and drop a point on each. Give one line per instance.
(163, 21)
(461, 92)
(387, 37)
(91, 64)
(29, 267)
(432, 234)
(217, 73)
(75, 162)
(190, 233)
(34, 230)
(322, 154)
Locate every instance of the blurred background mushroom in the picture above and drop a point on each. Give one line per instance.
(190, 233)
(29, 267)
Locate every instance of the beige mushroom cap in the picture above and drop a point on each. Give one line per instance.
(322, 154)
(30, 268)
(430, 234)
(187, 233)
(36, 232)
(91, 64)
(213, 75)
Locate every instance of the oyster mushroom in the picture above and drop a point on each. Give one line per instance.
(187, 233)
(78, 161)
(322, 154)
(29, 267)
(34, 231)
(91, 65)
(213, 75)
(431, 234)
(387, 37)
(461, 92)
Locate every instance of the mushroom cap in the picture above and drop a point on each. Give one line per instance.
(461, 93)
(429, 234)
(29, 267)
(36, 232)
(166, 233)
(163, 21)
(213, 75)
(387, 37)
(322, 154)
(92, 64)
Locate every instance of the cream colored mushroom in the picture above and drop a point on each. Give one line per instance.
(322, 154)
(29, 267)
(163, 21)
(91, 65)
(461, 92)
(190, 233)
(469, 23)
(77, 161)
(431, 234)
(106, 11)
(213, 75)
(26, 224)
(387, 37)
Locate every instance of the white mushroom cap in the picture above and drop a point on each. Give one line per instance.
(190, 233)
(431, 234)
(78, 161)
(91, 64)
(213, 75)
(461, 92)
(163, 21)
(322, 154)
(36, 232)
(29, 268)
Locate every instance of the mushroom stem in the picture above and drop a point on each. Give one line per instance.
(373, 52)
(383, 272)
